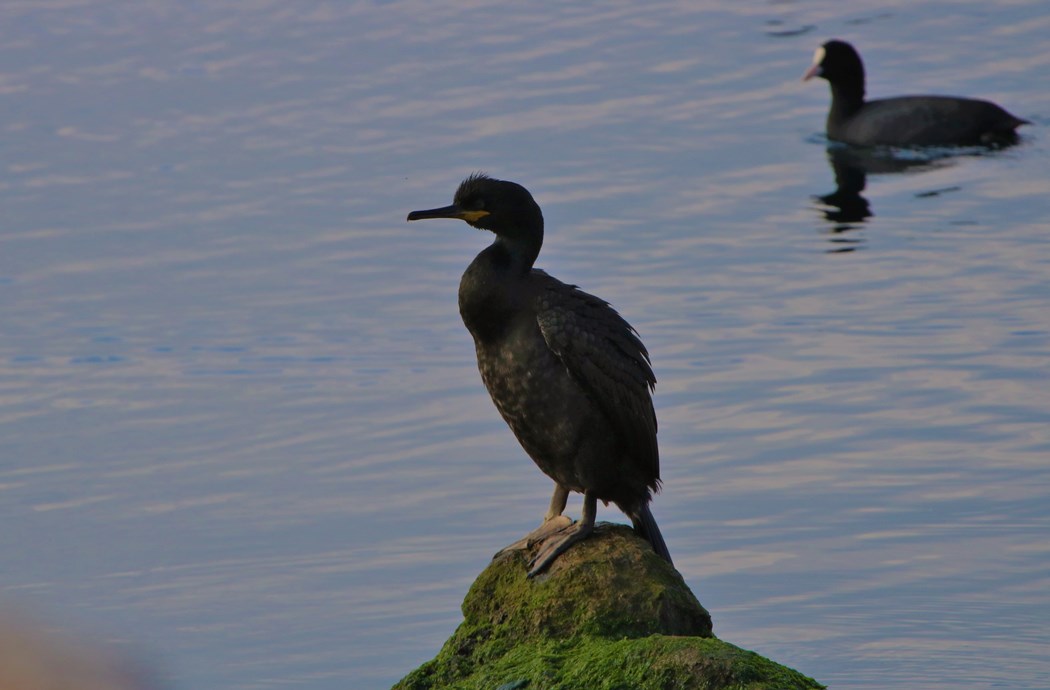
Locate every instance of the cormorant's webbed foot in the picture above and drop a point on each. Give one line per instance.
(549, 527)
(558, 544)
(553, 522)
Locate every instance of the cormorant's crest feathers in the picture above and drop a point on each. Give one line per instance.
(474, 183)
(476, 176)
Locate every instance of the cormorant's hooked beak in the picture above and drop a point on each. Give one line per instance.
(453, 211)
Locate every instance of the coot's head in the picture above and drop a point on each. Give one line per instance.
(838, 62)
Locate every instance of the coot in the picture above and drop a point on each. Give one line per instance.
(904, 120)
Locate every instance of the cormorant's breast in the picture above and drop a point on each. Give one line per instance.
(492, 293)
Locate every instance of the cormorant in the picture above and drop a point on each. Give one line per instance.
(904, 120)
(568, 374)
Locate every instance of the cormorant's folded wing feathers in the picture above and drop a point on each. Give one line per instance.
(604, 354)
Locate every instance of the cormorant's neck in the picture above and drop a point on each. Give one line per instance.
(494, 290)
(846, 99)
(520, 250)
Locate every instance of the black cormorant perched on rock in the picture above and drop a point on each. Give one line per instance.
(566, 372)
(904, 120)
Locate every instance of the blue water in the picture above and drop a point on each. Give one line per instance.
(241, 427)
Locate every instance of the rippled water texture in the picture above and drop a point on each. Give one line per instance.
(242, 434)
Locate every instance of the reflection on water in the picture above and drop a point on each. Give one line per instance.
(847, 209)
(851, 167)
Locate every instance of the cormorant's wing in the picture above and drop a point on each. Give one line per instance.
(604, 354)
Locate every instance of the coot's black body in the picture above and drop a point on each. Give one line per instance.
(566, 372)
(904, 120)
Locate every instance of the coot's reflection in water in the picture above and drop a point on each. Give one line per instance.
(846, 209)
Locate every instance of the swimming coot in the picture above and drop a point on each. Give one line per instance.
(904, 120)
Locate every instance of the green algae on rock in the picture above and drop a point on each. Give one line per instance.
(609, 614)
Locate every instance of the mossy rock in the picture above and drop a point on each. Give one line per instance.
(609, 614)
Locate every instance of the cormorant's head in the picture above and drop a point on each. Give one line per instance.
(838, 62)
(505, 208)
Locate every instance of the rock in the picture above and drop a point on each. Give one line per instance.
(609, 613)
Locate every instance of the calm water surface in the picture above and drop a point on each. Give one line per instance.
(241, 428)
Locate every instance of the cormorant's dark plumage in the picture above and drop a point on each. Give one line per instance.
(904, 120)
(566, 372)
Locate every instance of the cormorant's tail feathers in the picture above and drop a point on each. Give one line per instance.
(646, 527)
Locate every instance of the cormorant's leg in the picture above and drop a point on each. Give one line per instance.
(553, 521)
(558, 501)
(556, 546)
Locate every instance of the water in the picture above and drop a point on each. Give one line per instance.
(242, 429)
